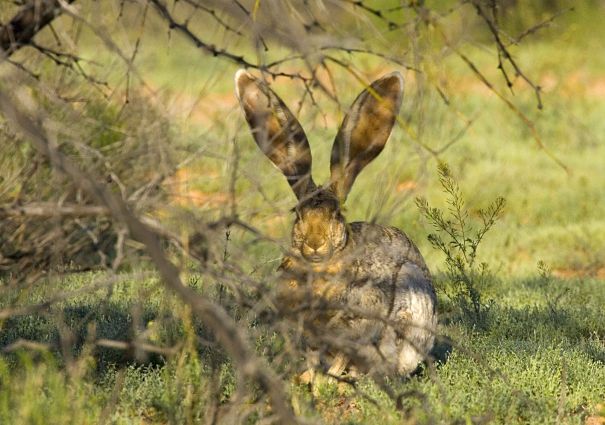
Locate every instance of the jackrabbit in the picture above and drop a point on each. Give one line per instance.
(367, 284)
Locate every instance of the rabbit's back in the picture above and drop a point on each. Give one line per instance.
(379, 250)
(390, 282)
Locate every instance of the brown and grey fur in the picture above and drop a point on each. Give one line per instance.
(365, 283)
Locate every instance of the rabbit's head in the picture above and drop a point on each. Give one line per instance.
(320, 229)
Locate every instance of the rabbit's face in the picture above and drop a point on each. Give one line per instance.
(319, 230)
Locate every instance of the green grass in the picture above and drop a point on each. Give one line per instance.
(539, 359)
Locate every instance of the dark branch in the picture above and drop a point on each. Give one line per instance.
(30, 20)
(183, 28)
(50, 209)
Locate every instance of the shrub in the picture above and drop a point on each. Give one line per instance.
(458, 239)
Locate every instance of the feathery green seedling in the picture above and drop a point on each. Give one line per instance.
(459, 241)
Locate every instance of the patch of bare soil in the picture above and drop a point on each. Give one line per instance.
(589, 272)
(186, 194)
(599, 418)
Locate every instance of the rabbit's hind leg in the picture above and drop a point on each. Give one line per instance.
(338, 366)
(313, 362)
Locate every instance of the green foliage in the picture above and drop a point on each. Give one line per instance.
(34, 390)
(514, 371)
(458, 240)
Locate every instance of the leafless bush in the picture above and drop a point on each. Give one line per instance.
(48, 221)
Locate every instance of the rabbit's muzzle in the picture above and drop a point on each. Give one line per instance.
(316, 252)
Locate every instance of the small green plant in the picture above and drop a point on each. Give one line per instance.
(552, 294)
(459, 240)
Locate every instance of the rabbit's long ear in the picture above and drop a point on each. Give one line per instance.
(276, 131)
(364, 131)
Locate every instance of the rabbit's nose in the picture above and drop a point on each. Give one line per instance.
(312, 253)
(310, 250)
(314, 243)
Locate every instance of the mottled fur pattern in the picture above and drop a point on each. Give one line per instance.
(363, 286)
(376, 290)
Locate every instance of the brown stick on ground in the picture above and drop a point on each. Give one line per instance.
(32, 18)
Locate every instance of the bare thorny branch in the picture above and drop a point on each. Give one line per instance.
(31, 19)
(21, 29)
(503, 52)
(225, 329)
